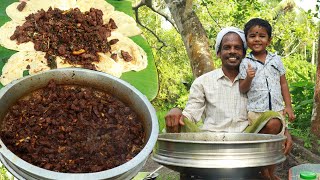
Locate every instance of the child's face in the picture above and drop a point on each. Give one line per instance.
(258, 39)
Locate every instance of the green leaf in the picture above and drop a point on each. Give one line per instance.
(301, 76)
(306, 102)
(145, 81)
(122, 5)
(301, 84)
(189, 126)
(26, 73)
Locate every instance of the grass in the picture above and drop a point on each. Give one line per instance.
(304, 135)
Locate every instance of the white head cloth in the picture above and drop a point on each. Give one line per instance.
(226, 30)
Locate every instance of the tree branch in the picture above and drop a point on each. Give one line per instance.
(152, 32)
(293, 49)
(148, 3)
(212, 16)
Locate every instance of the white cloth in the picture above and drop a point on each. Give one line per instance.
(214, 96)
(226, 30)
(267, 79)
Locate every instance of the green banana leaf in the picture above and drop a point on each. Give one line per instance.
(189, 126)
(146, 81)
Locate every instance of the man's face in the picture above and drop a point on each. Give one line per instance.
(231, 52)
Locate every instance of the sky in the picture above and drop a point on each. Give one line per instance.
(306, 4)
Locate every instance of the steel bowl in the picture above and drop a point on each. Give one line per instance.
(117, 87)
(204, 152)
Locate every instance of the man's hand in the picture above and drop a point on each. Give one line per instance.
(289, 112)
(288, 144)
(250, 72)
(174, 119)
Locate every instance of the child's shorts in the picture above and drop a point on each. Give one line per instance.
(259, 119)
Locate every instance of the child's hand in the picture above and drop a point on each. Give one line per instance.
(289, 112)
(250, 72)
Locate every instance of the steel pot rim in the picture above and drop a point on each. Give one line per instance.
(161, 138)
(209, 150)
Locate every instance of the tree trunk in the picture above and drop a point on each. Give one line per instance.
(193, 35)
(315, 123)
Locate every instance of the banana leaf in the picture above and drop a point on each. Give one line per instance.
(189, 126)
(146, 81)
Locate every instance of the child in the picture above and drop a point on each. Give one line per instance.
(262, 77)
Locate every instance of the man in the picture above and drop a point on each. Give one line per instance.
(215, 96)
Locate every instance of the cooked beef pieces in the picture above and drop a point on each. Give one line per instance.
(72, 129)
(74, 35)
(21, 6)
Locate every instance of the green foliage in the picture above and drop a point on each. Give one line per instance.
(294, 35)
(4, 174)
(298, 69)
(294, 30)
(172, 62)
(243, 8)
(300, 76)
(302, 98)
(172, 92)
(304, 134)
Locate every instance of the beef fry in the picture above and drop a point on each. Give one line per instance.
(71, 34)
(72, 129)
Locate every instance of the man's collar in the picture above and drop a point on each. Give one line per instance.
(221, 75)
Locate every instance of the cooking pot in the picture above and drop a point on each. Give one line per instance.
(213, 153)
(77, 76)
